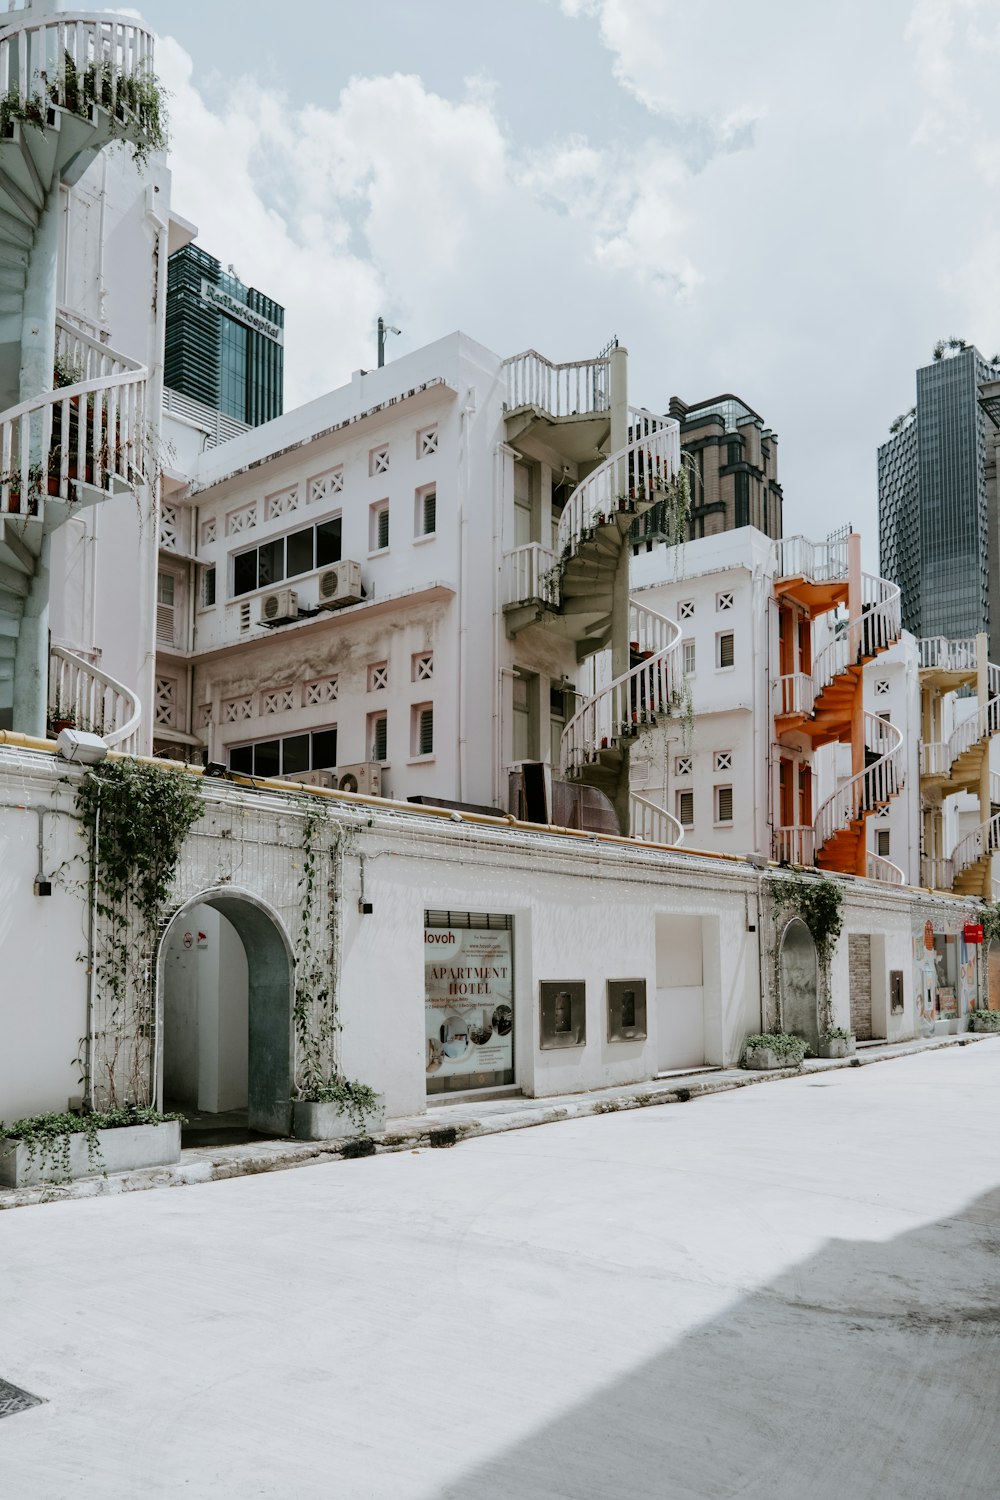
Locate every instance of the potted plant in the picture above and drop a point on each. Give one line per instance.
(774, 1049)
(984, 1020)
(63, 1147)
(836, 1042)
(335, 1110)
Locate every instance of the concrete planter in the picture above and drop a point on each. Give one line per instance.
(978, 1022)
(124, 1149)
(838, 1046)
(326, 1122)
(762, 1059)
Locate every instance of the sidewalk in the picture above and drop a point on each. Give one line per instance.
(447, 1124)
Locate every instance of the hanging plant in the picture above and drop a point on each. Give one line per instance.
(136, 817)
(134, 103)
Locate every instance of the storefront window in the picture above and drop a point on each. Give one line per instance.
(469, 1000)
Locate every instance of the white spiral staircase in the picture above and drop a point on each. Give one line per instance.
(593, 528)
(63, 449)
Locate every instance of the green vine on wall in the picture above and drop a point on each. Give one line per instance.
(315, 1011)
(136, 817)
(819, 903)
(989, 917)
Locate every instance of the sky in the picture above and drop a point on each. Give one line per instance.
(788, 201)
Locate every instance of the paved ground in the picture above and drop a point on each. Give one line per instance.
(786, 1292)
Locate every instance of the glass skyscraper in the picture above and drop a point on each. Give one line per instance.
(224, 340)
(934, 532)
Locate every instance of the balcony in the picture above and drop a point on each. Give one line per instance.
(937, 874)
(794, 845)
(935, 760)
(793, 696)
(530, 573)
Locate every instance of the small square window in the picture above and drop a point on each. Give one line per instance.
(427, 441)
(685, 809)
(723, 804)
(378, 731)
(683, 765)
(422, 729)
(378, 526)
(882, 688)
(685, 610)
(724, 600)
(725, 646)
(422, 666)
(378, 460)
(689, 657)
(723, 760)
(378, 676)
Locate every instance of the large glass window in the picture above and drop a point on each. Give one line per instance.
(287, 557)
(281, 757)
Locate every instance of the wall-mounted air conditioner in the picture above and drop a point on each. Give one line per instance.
(364, 777)
(340, 585)
(312, 778)
(279, 607)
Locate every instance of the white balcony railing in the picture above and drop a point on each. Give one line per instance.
(567, 390)
(795, 845)
(40, 51)
(793, 694)
(820, 562)
(939, 653)
(93, 701)
(935, 758)
(937, 874)
(880, 868)
(530, 573)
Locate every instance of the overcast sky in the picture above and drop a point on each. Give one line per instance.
(787, 200)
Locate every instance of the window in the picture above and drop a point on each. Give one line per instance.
(422, 666)
(734, 452)
(882, 843)
(685, 610)
(422, 729)
(378, 526)
(427, 441)
(378, 732)
(725, 645)
(723, 804)
(208, 588)
(378, 460)
(425, 515)
(689, 657)
(742, 498)
(165, 586)
(724, 600)
(282, 757)
(683, 765)
(723, 760)
(287, 556)
(378, 676)
(685, 809)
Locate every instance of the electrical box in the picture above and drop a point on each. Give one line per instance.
(626, 1010)
(563, 1013)
(896, 991)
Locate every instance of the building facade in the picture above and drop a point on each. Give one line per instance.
(224, 343)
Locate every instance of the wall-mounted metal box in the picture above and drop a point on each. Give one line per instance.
(626, 1010)
(563, 1013)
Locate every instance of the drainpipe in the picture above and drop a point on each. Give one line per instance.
(620, 633)
(983, 696)
(855, 606)
(91, 1053)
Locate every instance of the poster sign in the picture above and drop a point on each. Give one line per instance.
(972, 932)
(469, 1008)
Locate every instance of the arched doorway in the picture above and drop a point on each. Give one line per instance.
(224, 1011)
(799, 974)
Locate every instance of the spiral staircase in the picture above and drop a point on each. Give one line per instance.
(571, 589)
(959, 763)
(64, 80)
(826, 704)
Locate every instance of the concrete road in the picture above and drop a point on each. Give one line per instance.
(787, 1292)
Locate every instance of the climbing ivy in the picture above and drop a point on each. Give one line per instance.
(990, 919)
(135, 818)
(818, 903)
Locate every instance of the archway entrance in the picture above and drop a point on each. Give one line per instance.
(225, 991)
(799, 972)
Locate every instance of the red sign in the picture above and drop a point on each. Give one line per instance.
(972, 932)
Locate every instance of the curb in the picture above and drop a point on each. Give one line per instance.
(207, 1164)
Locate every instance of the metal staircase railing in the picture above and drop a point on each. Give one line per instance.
(878, 628)
(880, 868)
(33, 52)
(982, 841)
(94, 701)
(869, 789)
(652, 824)
(640, 471)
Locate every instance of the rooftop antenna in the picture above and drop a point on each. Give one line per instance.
(383, 329)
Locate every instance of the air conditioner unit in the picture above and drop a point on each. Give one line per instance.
(312, 778)
(365, 777)
(277, 608)
(340, 585)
